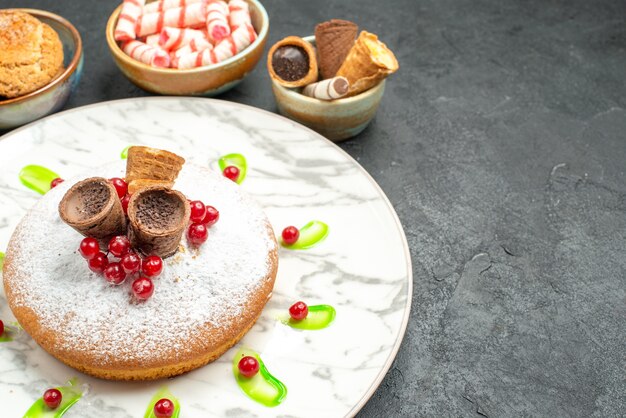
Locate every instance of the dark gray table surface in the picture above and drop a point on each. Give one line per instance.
(501, 142)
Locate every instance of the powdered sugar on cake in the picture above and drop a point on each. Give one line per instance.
(209, 284)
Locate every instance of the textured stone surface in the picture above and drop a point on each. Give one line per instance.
(501, 143)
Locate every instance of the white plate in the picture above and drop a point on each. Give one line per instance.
(363, 268)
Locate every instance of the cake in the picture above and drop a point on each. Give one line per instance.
(31, 54)
(204, 301)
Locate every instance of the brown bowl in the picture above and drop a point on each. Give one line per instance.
(209, 80)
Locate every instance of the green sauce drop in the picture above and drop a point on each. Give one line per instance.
(10, 332)
(319, 317)
(164, 392)
(71, 394)
(124, 155)
(37, 178)
(238, 161)
(262, 387)
(1, 260)
(311, 234)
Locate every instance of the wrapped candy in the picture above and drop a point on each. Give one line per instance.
(159, 6)
(174, 38)
(125, 28)
(193, 59)
(195, 45)
(237, 42)
(330, 89)
(239, 14)
(243, 36)
(217, 21)
(147, 54)
(193, 15)
(153, 40)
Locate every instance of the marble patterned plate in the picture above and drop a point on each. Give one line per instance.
(362, 268)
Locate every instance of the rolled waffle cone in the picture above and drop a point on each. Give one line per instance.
(312, 74)
(158, 216)
(367, 64)
(139, 184)
(92, 207)
(152, 164)
(334, 40)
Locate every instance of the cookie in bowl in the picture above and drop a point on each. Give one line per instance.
(31, 54)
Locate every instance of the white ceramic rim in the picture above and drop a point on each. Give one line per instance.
(407, 309)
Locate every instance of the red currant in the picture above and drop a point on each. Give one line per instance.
(120, 186)
(290, 235)
(198, 211)
(211, 217)
(119, 245)
(89, 248)
(152, 266)
(231, 172)
(1, 327)
(125, 201)
(131, 263)
(299, 311)
(54, 183)
(248, 366)
(114, 273)
(143, 288)
(52, 398)
(164, 408)
(197, 234)
(98, 263)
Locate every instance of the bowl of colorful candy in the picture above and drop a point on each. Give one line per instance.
(187, 47)
(332, 82)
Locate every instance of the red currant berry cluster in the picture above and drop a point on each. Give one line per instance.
(126, 263)
(202, 217)
(1, 327)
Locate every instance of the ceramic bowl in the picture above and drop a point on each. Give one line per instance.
(335, 119)
(202, 81)
(51, 97)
